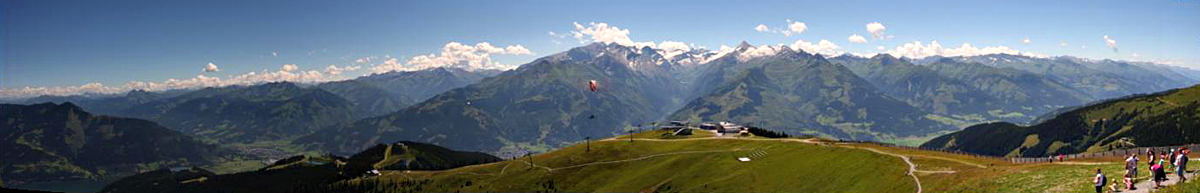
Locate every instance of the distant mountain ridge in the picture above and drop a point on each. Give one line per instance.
(800, 92)
(1098, 78)
(278, 110)
(48, 142)
(384, 93)
(271, 111)
(922, 87)
(300, 172)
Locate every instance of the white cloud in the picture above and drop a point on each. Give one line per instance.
(757, 51)
(517, 50)
(918, 50)
(877, 30)
(334, 70)
(455, 55)
(673, 45)
(601, 32)
(1062, 44)
(823, 47)
(1135, 55)
(857, 39)
(795, 27)
(273, 53)
(604, 33)
(1026, 41)
(388, 65)
(1111, 43)
(211, 68)
(673, 48)
(288, 72)
(880, 48)
(289, 67)
(720, 52)
(864, 55)
(762, 28)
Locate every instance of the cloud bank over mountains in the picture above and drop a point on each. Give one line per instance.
(454, 55)
(287, 72)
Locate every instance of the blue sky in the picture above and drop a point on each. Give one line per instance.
(50, 45)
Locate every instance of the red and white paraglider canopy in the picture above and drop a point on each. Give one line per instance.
(592, 84)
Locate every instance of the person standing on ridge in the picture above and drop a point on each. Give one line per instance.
(1171, 159)
(1131, 165)
(1160, 173)
(1100, 180)
(1181, 164)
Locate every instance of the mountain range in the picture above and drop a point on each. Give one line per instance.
(46, 142)
(546, 103)
(297, 173)
(798, 92)
(274, 111)
(1147, 120)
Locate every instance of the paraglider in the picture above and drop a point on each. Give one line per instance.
(592, 84)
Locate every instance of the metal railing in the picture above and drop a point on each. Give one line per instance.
(1103, 154)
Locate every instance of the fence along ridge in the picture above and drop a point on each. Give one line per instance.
(1109, 153)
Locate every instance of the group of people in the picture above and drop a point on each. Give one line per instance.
(1159, 164)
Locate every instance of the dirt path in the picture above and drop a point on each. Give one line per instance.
(912, 168)
(634, 159)
(1168, 102)
(1146, 186)
(953, 160)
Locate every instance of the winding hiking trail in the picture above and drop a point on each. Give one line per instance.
(912, 168)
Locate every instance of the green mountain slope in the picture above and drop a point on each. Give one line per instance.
(420, 85)
(1164, 118)
(368, 100)
(48, 142)
(802, 93)
(380, 94)
(292, 174)
(922, 87)
(247, 114)
(1022, 95)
